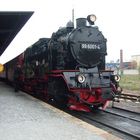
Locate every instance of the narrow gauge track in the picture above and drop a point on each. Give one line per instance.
(124, 113)
(113, 120)
(128, 97)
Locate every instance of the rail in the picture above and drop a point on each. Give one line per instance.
(127, 97)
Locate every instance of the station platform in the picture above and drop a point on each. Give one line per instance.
(23, 117)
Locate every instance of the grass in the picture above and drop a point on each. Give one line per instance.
(130, 82)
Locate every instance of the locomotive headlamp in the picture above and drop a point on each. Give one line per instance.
(117, 78)
(91, 19)
(81, 78)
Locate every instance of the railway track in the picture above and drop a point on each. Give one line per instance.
(128, 97)
(124, 122)
(124, 113)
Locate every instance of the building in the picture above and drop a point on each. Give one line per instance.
(136, 58)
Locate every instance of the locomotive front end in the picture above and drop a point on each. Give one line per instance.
(91, 86)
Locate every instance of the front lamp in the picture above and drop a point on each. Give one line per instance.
(81, 78)
(117, 78)
(91, 19)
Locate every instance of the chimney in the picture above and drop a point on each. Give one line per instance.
(121, 61)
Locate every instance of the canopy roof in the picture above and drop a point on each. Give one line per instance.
(10, 24)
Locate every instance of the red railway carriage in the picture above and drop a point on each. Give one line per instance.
(69, 67)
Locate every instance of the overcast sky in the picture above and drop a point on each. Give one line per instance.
(119, 21)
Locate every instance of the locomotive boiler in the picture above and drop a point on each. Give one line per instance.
(69, 67)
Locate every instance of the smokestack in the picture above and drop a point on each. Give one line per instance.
(81, 22)
(121, 61)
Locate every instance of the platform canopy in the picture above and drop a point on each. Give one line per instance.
(11, 23)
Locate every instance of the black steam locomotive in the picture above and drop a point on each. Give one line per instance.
(69, 67)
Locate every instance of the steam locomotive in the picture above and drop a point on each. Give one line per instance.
(69, 67)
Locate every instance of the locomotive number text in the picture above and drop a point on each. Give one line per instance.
(90, 46)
